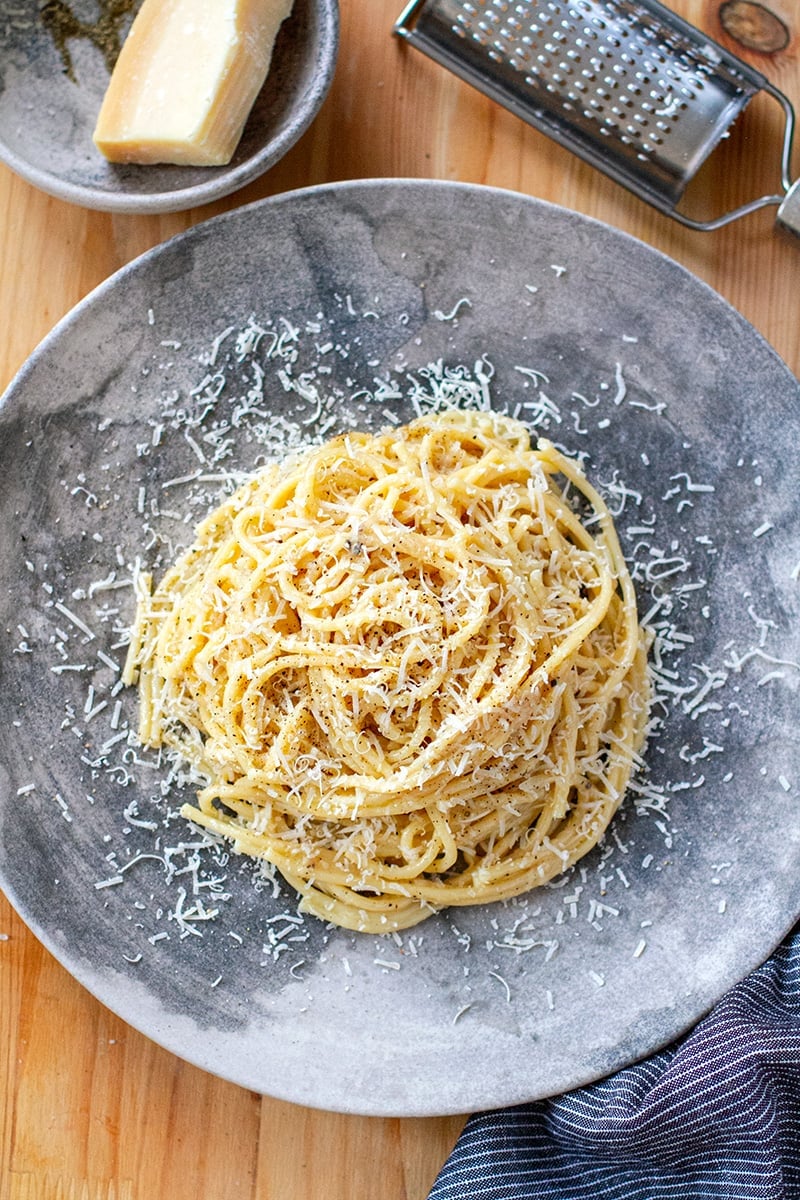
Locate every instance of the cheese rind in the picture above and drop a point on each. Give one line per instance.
(186, 80)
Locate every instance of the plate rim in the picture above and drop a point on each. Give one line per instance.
(344, 186)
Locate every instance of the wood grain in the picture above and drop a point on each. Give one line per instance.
(90, 1109)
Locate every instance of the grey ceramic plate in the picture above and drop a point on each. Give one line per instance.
(51, 90)
(360, 304)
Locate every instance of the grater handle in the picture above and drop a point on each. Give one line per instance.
(788, 216)
(787, 201)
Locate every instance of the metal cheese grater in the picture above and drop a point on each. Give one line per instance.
(626, 84)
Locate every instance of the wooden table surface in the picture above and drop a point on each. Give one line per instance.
(90, 1109)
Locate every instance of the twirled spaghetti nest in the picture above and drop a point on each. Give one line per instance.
(411, 676)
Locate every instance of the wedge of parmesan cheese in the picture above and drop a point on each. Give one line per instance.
(186, 79)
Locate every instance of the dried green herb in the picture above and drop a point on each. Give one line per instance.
(106, 33)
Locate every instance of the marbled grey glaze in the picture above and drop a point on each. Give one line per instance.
(47, 119)
(710, 886)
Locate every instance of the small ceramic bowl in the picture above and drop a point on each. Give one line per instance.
(51, 88)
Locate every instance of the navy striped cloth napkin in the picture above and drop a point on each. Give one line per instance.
(717, 1114)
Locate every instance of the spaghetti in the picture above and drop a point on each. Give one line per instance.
(408, 673)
